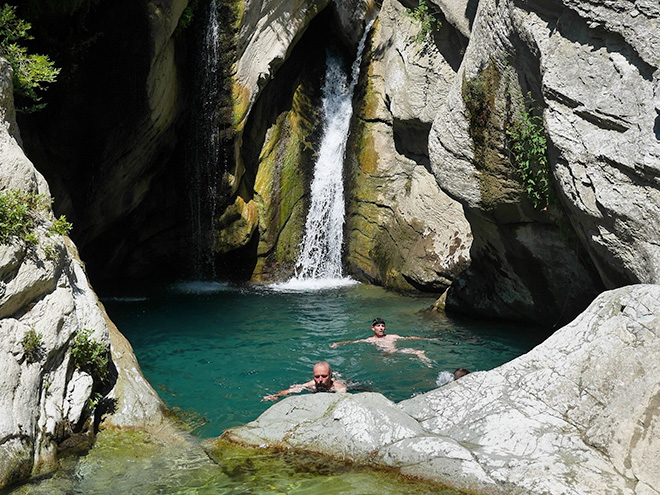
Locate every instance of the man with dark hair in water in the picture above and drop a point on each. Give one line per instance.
(387, 343)
(322, 382)
(460, 372)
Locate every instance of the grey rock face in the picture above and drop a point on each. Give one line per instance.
(403, 231)
(600, 77)
(44, 395)
(578, 414)
(594, 77)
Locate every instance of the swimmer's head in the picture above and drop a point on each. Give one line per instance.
(322, 376)
(377, 321)
(460, 372)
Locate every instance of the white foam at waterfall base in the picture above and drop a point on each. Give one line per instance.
(312, 284)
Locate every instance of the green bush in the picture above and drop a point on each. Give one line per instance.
(60, 227)
(528, 147)
(32, 345)
(30, 71)
(186, 17)
(18, 214)
(426, 18)
(90, 355)
(22, 212)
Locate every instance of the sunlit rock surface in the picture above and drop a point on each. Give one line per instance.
(592, 72)
(403, 231)
(578, 414)
(47, 403)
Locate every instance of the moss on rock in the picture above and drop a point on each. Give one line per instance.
(497, 178)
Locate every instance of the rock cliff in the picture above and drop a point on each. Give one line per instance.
(578, 414)
(53, 392)
(590, 74)
(403, 231)
(549, 226)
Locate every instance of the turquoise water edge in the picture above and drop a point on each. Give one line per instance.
(213, 350)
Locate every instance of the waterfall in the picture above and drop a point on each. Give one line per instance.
(205, 165)
(321, 247)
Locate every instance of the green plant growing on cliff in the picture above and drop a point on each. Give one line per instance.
(19, 215)
(33, 345)
(528, 147)
(90, 355)
(30, 71)
(22, 212)
(60, 227)
(186, 17)
(426, 17)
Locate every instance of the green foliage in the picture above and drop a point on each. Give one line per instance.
(19, 215)
(60, 227)
(30, 71)
(426, 18)
(50, 251)
(94, 401)
(528, 148)
(32, 345)
(186, 17)
(22, 212)
(90, 355)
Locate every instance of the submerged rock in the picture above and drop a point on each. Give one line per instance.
(577, 414)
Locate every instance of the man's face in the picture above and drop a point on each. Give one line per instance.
(378, 329)
(322, 377)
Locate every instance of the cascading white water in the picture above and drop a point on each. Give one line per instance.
(320, 255)
(205, 166)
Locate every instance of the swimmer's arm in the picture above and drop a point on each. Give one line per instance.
(293, 389)
(337, 344)
(414, 337)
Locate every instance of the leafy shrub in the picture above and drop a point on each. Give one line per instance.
(50, 252)
(528, 147)
(18, 214)
(30, 71)
(94, 400)
(90, 355)
(32, 345)
(60, 227)
(426, 18)
(186, 17)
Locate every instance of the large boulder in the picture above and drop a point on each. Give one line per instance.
(577, 414)
(403, 231)
(592, 74)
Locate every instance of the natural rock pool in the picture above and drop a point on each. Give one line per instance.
(214, 350)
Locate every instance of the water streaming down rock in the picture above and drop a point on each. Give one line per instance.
(205, 165)
(321, 248)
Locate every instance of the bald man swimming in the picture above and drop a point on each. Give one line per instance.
(322, 382)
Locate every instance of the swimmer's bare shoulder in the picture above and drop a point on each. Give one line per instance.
(339, 387)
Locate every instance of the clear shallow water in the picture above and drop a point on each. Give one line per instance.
(216, 350)
(129, 462)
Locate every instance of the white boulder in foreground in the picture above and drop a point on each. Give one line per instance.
(579, 414)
